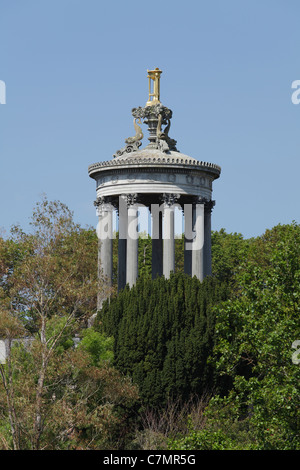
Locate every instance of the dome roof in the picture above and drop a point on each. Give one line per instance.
(157, 155)
(149, 157)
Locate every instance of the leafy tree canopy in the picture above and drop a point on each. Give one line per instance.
(255, 329)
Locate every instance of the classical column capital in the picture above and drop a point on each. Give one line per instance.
(199, 200)
(208, 206)
(132, 199)
(99, 201)
(103, 204)
(170, 199)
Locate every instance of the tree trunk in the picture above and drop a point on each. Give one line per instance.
(40, 387)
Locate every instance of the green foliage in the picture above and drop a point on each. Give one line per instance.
(53, 395)
(145, 256)
(230, 336)
(202, 440)
(50, 271)
(254, 335)
(59, 331)
(222, 429)
(99, 346)
(164, 334)
(228, 250)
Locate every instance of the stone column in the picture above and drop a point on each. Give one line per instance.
(132, 240)
(198, 241)
(122, 243)
(105, 242)
(207, 237)
(188, 237)
(105, 236)
(168, 234)
(157, 241)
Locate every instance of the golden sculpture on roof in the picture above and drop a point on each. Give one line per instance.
(154, 95)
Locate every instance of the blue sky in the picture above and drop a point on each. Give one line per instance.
(74, 69)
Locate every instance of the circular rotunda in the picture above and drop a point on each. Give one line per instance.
(160, 178)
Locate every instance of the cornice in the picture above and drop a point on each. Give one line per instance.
(145, 163)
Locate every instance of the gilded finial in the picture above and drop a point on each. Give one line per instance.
(154, 95)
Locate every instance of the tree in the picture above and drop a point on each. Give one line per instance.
(255, 332)
(84, 406)
(163, 335)
(49, 289)
(228, 250)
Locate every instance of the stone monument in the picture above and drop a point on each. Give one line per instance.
(160, 178)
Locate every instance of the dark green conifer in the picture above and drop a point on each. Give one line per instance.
(164, 334)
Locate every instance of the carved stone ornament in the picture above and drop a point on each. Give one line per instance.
(157, 116)
(128, 149)
(99, 201)
(152, 112)
(164, 142)
(138, 133)
(102, 200)
(132, 143)
(170, 198)
(199, 200)
(209, 205)
(132, 199)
